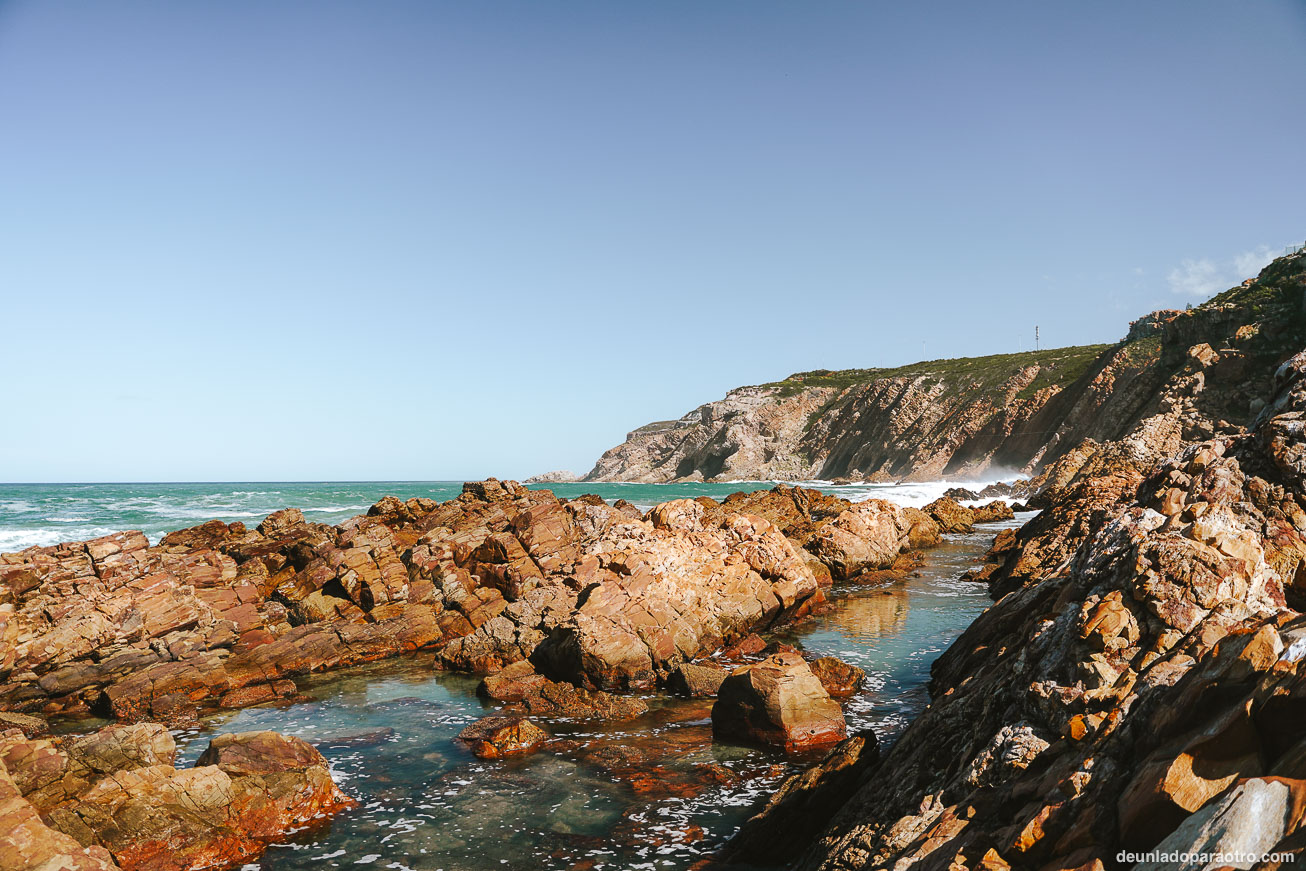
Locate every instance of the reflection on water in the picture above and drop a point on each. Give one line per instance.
(651, 793)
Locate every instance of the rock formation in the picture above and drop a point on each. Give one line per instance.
(1137, 683)
(1178, 376)
(113, 800)
(778, 701)
(222, 616)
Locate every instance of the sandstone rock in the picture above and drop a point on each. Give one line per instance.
(1249, 819)
(838, 677)
(951, 515)
(778, 702)
(117, 790)
(991, 512)
(696, 681)
(31, 726)
(501, 737)
(520, 684)
(1140, 660)
(803, 805)
(871, 535)
(28, 844)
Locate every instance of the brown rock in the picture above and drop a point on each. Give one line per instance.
(871, 535)
(501, 737)
(779, 702)
(696, 680)
(951, 515)
(838, 677)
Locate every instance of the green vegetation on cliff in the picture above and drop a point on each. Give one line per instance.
(1057, 366)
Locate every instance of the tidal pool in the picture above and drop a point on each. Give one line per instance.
(650, 793)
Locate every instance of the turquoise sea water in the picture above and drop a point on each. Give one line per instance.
(44, 514)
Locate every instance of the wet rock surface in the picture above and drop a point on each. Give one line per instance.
(112, 799)
(499, 737)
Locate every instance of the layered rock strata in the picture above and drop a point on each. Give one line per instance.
(1137, 683)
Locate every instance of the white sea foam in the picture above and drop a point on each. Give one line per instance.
(12, 540)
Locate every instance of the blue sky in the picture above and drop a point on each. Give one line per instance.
(288, 241)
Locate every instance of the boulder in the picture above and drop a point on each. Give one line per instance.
(951, 515)
(871, 535)
(992, 512)
(778, 702)
(117, 789)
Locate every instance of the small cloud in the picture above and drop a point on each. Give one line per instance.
(1197, 278)
(1250, 263)
(1202, 278)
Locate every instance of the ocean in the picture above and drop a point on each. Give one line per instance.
(45, 514)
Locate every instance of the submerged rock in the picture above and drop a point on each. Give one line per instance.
(779, 702)
(499, 737)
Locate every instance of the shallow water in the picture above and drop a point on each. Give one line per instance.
(651, 793)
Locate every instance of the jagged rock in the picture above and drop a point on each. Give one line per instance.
(1249, 819)
(501, 737)
(117, 792)
(696, 681)
(29, 725)
(779, 702)
(803, 805)
(871, 535)
(668, 591)
(520, 684)
(838, 677)
(28, 844)
(1141, 660)
(951, 515)
(991, 512)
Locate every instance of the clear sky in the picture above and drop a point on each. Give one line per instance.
(424, 240)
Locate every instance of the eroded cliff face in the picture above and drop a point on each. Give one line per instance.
(1178, 377)
(1138, 683)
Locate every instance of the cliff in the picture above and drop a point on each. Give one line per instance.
(1177, 377)
(1138, 682)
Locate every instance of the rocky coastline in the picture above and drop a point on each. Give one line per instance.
(565, 606)
(1136, 685)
